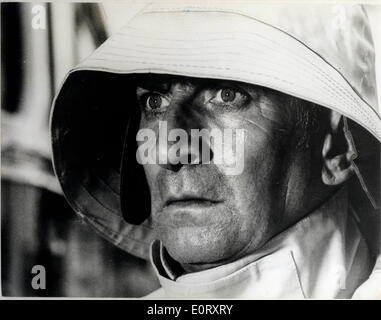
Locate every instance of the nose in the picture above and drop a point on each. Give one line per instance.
(178, 145)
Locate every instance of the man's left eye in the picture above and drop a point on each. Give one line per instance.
(229, 96)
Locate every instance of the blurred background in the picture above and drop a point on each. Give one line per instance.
(37, 225)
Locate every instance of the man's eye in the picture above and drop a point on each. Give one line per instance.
(154, 101)
(229, 96)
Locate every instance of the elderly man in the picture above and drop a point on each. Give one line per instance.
(235, 144)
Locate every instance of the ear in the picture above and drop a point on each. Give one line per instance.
(338, 151)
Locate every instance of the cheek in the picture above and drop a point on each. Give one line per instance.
(258, 192)
(151, 173)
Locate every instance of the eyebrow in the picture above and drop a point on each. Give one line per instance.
(154, 85)
(163, 83)
(160, 83)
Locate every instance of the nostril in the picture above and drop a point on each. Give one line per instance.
(176, 167)
(201, 157)
(207, 157)
(191, 158)
(172, 167)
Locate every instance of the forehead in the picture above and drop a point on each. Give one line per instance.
(163, 82)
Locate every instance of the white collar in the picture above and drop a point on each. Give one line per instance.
(322, 256)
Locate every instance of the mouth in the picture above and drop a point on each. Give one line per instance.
(190, 201)
(181, 210)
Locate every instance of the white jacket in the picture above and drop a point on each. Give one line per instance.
(322, 256)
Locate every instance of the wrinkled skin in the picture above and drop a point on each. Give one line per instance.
(205, 217)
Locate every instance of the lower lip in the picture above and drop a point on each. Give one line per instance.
(190, 206)
(189, 212)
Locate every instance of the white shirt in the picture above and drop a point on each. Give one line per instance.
(322, 256)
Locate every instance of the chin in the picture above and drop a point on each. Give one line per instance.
(198, 247)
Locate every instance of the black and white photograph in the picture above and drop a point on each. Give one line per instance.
(191, 150)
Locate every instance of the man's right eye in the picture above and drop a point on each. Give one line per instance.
(153, 101)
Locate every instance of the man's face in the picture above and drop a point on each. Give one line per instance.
(202, 214)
